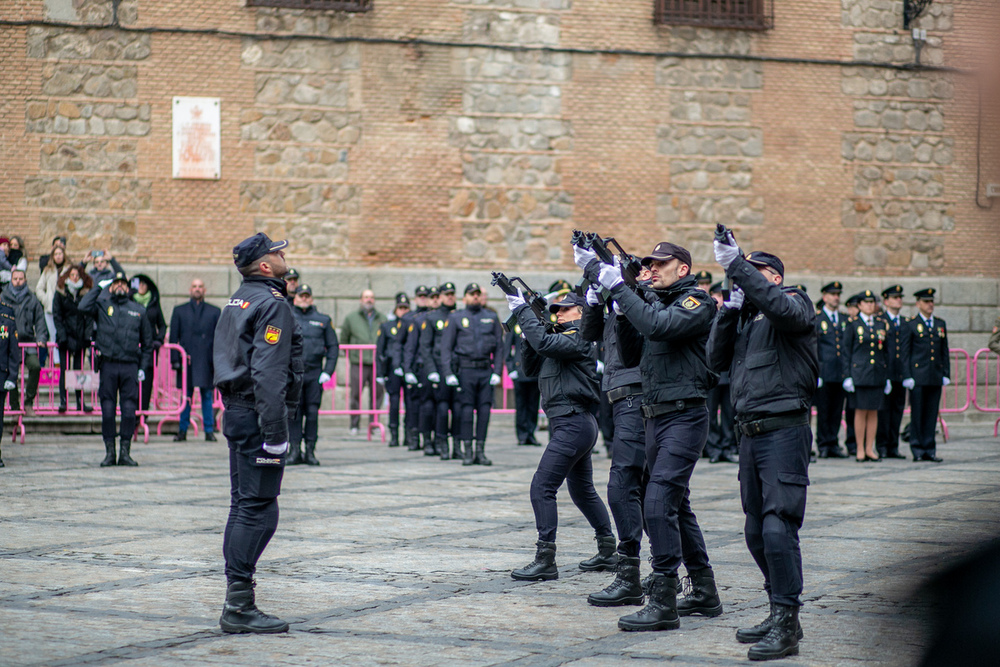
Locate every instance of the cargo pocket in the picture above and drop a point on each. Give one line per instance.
(791, 496)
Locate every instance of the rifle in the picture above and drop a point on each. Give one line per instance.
(628, 263)
(534, 300)
(722, 236)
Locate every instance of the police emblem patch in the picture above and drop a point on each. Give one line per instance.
(465, 322)
(861, 330)
(920, 328)
(517, 328)
(690, 303)
(111, 311)
(440, 324)
(393, 331)
(272, 334)
(822, 325)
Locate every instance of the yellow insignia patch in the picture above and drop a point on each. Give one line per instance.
(861, 330)
(423, 325)
(517, 329)
(690, 303)
(272, 334)
(440, 324)
(394, 331)
(111, 311)
(570, 332)
(465, 322)
(822, 325)
(920, 328)
(410, 328)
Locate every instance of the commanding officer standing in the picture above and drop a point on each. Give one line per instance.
(564, 362)
(409, 327)
(829, 397)
(416, 373)
(667, 340)
(768, 344)
(10, 357)
(926, 370)
(385, 363)
(124, 340)
(721, 445)
(526, 395)
(471, 354)
(258, 370)
(320, 350)
(889, 418)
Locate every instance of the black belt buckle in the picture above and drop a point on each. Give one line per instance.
(679, 405)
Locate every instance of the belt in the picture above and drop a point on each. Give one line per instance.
(660, 409)
(768, 424)
(618, 393)
(473, 364)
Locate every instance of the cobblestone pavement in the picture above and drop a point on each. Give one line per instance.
(387, 557)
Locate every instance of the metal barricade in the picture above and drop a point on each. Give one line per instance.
(169, 394)
(986, 383)
(955, 397)
(357, 374)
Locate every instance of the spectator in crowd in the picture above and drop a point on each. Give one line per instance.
(192, 326)
(361, 328)
(30, 316)
(146, 294)
(46, 290)
(74, 329)
(994, 343)
(105, 266)
(11, 257)
(57, 242)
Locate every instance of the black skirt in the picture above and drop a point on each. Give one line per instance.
(869, 398)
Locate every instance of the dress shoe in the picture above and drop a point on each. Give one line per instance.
(894, 455)
(181, 436)
(836, 453)
(210, 437)
(721, 458)
(932, 458)
(62, 408)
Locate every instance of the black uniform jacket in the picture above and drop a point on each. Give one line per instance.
(473, 338)
(192, 326)
(123, 330)
(894, 345)
(515, 360)
(431, 339)
(828, 342)
(412, 363)
(387, 345)
(865, 358)
(598, 324)
(258, 354)
(10, 352)
(666, 339)
(768, 346)
(320, 347)
(563, 362)
(925, 351)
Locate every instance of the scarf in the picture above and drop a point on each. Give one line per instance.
(19, 293)
(143, 299)
(74, 286)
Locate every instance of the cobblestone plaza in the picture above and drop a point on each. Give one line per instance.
(384, 557)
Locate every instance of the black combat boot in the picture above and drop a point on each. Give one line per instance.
(310, 457)
(660, 612)
(468, 455)
(782, 639)
(480, 455)
(625, 589)
(123, 454)
(606, 558)
(543, 568)
(412, 439)
(240, 614)
(393, 437)
(430, 444)
(294, 454)
(109, 456)
(703, 598)
(759, 631)
(442, 447)
(456, 449)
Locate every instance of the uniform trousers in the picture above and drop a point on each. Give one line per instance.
(305, 422)
(119, 383)
(628, 478)
(444, 403)
(393, 386)
(254, 489)
(773, 480)
(606, 420)
(425, 402)
(475, 399)
(829, 402)
(925, 401)
(527, 398)
(412, 416)
(721, 421)
(567, 457)
(889, 419)
(674, 443)
(32, 372)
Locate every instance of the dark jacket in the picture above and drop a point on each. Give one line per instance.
(925, 351)
(515, 360)
(563, 362)
(769, 346)
(123, 332)
(108, 272)
(387, 347)
(894, 345)
(865, 359)
(154, 313)
(192, 326)
(10, 352)
(30, 315)
(319, 341)
(74, 328)
(666, 339)
(258, 354)
(472, 339)
(828, 346)
(598, 324)
(432, 338)
(413, 362)
(397, 346)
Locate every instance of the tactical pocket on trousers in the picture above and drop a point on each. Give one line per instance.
(792, 496)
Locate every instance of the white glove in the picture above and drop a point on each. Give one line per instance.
(515, 300)
(410, 378)
(600, 366)
(849, 385)
(610, 277)
(725, 254)
(324, 377)
(434, 378)
(9, 385)
(382, 381)
(583, 257)
(593, 298)
(909, 383)
(398, 372)
(104, 283)
(888, 387)
(277, 450)
(451, 381)
(945, 382)
(513, 375)
(735, 301)
(494, 380)
(615, 307)
(142, 375)
(819, 382)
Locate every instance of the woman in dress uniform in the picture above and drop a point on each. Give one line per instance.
(865, 365)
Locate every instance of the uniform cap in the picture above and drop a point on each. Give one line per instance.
(832, 288)
(447, 288)
(760, 258)
(472, 287)
(703, 277)
(666, 250)
(892, 290)
(251, 249)
(420, 291)
(120, 277)
(291, 274)
(925, 294)
(560, 286)
(402, 299)
(433, 291)
(853, 300)
(716, 287)
(568, 300)
(867, 295)
(304, 289)
(800, 287)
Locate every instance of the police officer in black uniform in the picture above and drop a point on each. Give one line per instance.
(527, 397)
(890, 417)
(443, 396)
(416, 373)
(704, 279)
(319, 356)
(412, 393)
(291, 284)
(765, 335)
(471, 354)
(124, 341)
(564, 363)
(258, 371)
(10, 358)
(666, 339)
(385, 363)
(927, 370)
(829, 396)
(721, 444)
(448, 304)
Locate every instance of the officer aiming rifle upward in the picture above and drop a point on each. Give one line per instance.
(535, 301)
(630, 265)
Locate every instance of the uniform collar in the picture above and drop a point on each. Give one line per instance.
(270, 281)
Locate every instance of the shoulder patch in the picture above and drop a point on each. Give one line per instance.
(423, 325)
(690, 303)
(570, 332)
(272, 334)
(410, 328)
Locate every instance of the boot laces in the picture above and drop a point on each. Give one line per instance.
(687, 588)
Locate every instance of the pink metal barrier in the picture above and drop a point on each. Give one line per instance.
(986, 383)
(357, 374)
(955, 397)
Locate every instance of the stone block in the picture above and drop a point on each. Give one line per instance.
(87, 230)
(957, 317)
(83, 155)
(174, 280)
(316, 56)
(300, 198)
(685, 140)
(88, 193)
(982, 319)
(64, 44)
(322, 90)
(969, 291)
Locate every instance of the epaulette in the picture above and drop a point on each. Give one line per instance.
(277, 294)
